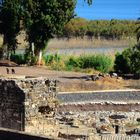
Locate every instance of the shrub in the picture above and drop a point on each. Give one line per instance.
(58, 65)
(135, 59)
(29, 58)
(26, 58)
(99, 62)
(128, 61)
(123, 61)
(73, 62)
(18, 58)
(50, 58)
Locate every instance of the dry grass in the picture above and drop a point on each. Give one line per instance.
(63, 43)
(86, 43)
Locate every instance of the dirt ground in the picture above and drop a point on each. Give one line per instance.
(70, 81)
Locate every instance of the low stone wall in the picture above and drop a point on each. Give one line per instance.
(81, 107)
(12, 110)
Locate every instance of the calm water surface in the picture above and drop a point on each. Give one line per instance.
(78, 51)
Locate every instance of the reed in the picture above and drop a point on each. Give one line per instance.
(88, 43)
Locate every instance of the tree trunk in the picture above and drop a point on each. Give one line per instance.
(40, 58)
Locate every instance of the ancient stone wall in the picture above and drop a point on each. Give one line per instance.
(29, 105)
(12, 109)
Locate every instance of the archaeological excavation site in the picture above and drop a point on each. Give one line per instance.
(33, 108)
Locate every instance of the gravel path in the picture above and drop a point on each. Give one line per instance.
(124, 96)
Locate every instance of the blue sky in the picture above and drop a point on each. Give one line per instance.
(109, 9)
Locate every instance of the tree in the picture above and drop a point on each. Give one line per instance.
(10, 23)
(77, 27)
(89, 1)
(45, 19)
(135, 58)
(138, 30)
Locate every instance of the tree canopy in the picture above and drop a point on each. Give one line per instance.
(41, 20)
(89, 1)
(10, 22)
(138, 30)
(107, 29)
(44, 20)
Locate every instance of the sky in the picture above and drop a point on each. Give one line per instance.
(109, 9)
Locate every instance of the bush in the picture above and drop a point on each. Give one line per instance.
(18, 58)
(26, 58)
(128, 61)
(123, 61)
(29, 58)
(135, 59)
(98, 62)
(73, 62)
(50, 58)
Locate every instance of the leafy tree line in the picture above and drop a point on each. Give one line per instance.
(42, 20)
(10, 12)
(108, 29)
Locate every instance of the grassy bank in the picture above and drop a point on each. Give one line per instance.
(83, 63)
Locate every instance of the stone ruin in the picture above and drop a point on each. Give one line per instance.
(29, 105)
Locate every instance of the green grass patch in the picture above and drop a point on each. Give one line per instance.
(100, 63)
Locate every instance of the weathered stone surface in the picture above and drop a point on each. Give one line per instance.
(20, 103)
(123, 96)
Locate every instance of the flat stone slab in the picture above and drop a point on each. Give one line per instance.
(119, 96)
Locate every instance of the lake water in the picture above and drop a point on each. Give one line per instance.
(79, 51)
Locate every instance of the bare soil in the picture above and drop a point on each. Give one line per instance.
(97, 107)
(70, 81)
